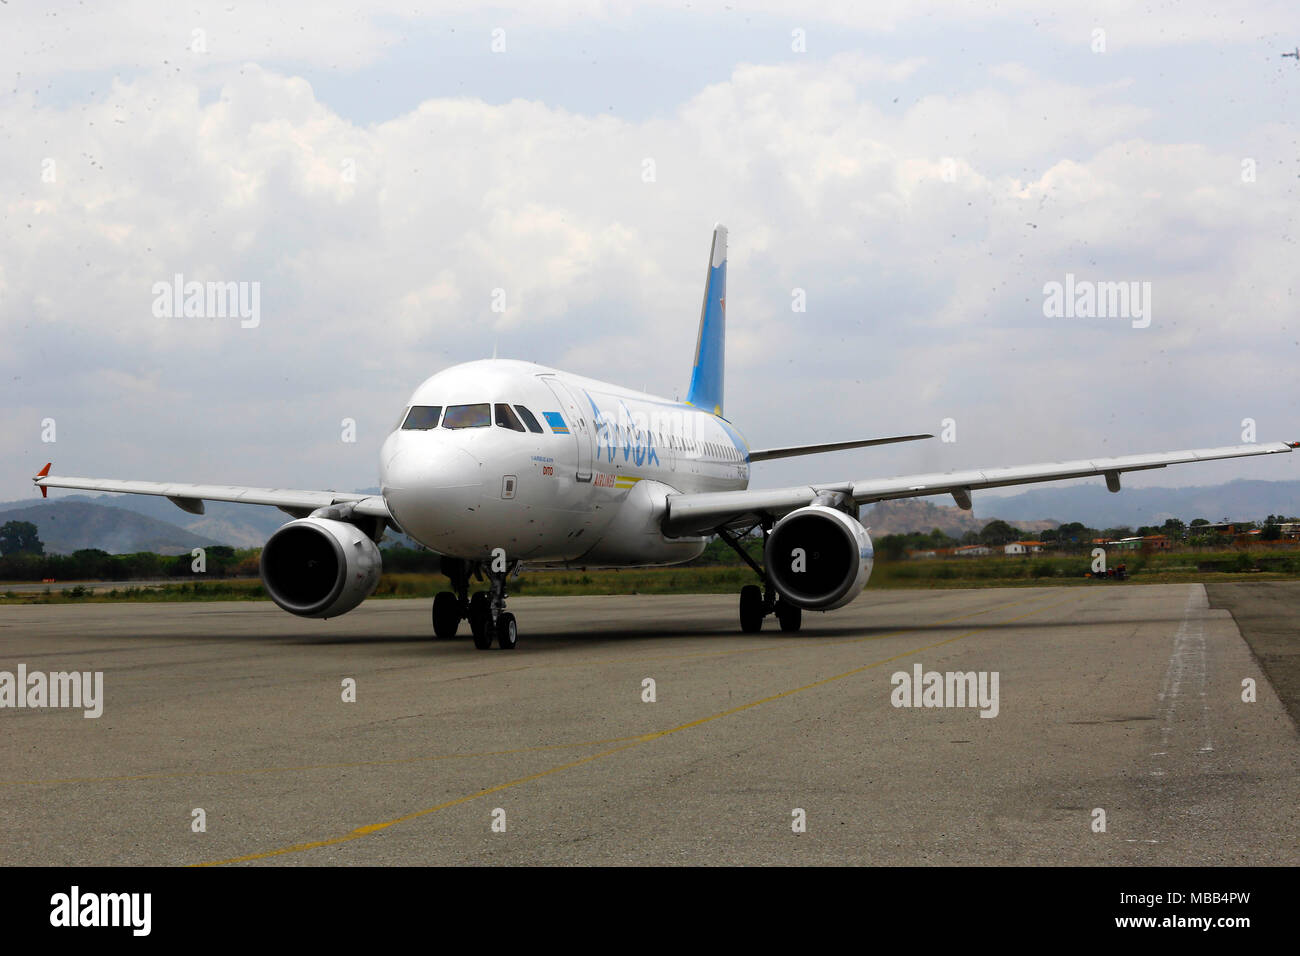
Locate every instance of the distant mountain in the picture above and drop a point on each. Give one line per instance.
(919, 514)
(906, 515)
(1039, 508)
(67, 526)
(223, 522)
(1241, 500)
(241, 526)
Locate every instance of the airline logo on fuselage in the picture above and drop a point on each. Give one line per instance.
(635, 440)
(556, 421)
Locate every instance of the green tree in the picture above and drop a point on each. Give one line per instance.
(997, 532)
(20, 537)
(1075, 534)
(891, 547)
(90, 564)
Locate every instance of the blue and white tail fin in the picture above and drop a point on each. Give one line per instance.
(710, 347)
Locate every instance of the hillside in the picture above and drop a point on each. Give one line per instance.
(223, 522)
(67, 526)
(1091, 503)
(922, 514)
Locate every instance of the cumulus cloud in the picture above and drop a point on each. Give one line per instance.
(920, 233)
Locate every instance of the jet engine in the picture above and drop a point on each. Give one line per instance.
(818, 557)
(320, 567)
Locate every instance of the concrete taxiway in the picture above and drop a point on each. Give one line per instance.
(1116, 698)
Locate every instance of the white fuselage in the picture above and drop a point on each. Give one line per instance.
(587, 489)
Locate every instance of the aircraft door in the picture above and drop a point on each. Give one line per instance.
(579, 423)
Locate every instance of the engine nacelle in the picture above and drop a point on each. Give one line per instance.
(320, 567)
(819, 558)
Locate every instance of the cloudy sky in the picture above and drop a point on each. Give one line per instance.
(919, 170)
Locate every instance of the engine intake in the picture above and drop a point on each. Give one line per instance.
(320, 567)
(819, 558)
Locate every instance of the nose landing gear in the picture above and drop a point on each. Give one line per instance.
(489, 621)
(498, 623)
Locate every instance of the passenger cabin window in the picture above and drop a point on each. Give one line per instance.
(529, 419)
(422, 417)
(508, 419)
(468, 416)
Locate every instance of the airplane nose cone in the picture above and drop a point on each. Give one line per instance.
(430, 490)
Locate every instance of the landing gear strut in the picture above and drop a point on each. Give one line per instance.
(500, 624)
(757, 602)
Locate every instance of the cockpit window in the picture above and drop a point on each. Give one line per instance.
(468, 416)
(508, 419)
(422, 417)
(529, 419)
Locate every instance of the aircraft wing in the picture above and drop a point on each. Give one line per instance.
(703, 513)
(191, 497)
(766, 454)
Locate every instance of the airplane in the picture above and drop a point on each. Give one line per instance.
(498, 463)
(1295, 54)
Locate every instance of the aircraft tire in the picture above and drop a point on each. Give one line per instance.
(507, 632)
(479, 617)
(751, 609)
(790, 616)
(446, 615)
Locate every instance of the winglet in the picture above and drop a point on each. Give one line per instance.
(45, 492)
(1294, 444)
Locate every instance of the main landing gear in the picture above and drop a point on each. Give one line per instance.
(489, 621)
(757, 602)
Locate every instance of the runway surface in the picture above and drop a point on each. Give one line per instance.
(1124, 699)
